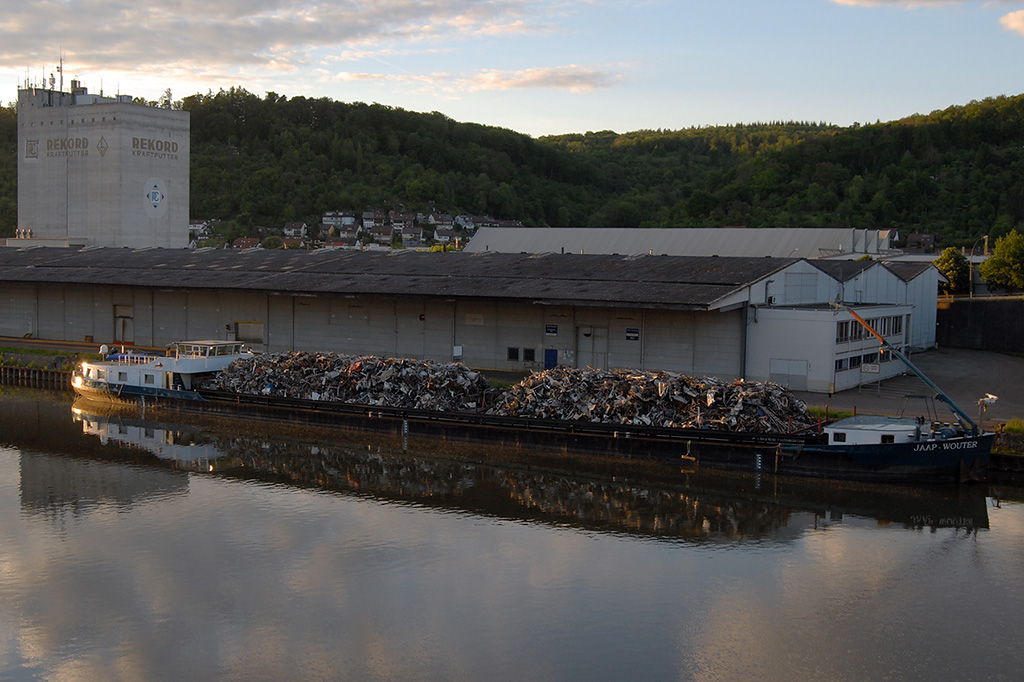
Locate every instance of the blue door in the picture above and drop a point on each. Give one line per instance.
(550, 358)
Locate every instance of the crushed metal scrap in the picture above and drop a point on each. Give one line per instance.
(663, 399)
(358, 379)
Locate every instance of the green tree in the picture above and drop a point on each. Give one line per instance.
(955, 266)
(1004, 269)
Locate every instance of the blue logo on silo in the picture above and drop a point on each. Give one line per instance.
(155, 196)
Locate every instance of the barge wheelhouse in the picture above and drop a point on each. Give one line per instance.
(128, 375)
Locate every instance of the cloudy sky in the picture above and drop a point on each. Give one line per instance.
(539, 66)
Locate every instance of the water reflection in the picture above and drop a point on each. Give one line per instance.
(185, 445)
(55, 486)
(332, 555)
(646, 499)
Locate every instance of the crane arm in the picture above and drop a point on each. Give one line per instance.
(962, 416)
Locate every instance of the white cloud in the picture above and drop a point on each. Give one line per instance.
(241, 36)
(1014, 21)
(573, 78)
(909, 4)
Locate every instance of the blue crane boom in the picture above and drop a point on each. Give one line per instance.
(965, 421)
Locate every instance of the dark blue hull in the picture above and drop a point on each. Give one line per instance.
(126, 393)
(955, 459)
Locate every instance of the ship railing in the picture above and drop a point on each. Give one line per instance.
(131, 359)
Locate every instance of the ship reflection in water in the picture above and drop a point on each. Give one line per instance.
(185, 445)
(647, 499)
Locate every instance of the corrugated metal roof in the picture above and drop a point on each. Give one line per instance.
(843, 270)
(669, 281)
(907, 270)
(796, 242)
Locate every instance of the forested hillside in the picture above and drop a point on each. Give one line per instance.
(8, 171)
(958, 173)
(273, 159)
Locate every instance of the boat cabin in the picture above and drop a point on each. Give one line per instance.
(876, 430)
(207, 349)
(131, 373)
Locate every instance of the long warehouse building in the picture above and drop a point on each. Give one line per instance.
(732, 317)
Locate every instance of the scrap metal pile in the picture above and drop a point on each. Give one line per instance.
(663, 399)
(359, 379)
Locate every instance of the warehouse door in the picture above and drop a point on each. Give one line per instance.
(789, 373)
(124, 323)
(592, 347)
(410, 324)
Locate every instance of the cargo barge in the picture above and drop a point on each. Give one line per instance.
(880, 449)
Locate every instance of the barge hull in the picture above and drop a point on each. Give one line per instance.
(776, 453)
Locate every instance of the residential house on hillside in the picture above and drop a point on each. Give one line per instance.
(295, 230)
(444, 235)
(920, 240)
(471, 223)
(346, 232)
(245, 243)
(339, 218)
(401, 221)
(381, 234)
(374, 219)
(439, 219)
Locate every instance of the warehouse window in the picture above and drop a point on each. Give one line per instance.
(842, 363)
(528, 355)
(513, 353)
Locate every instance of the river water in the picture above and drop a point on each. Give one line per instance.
(142, 549)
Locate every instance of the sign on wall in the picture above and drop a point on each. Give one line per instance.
(155, 197)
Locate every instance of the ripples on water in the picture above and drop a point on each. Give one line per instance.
(136, 549)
